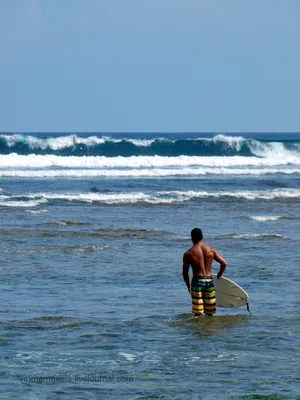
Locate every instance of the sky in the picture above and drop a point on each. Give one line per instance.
(149, 66)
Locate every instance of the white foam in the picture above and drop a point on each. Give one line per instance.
(235, 142)
(251, 235)
(42, 211)
(64, 142)
(265, 218)
(128, 356)
(140, 173)
(22, 203)
(143, 142)
(92, 248)
(14, 160)
(54, 143)
(111, 198)
(160, 197)
(244, 194)
(272, 150)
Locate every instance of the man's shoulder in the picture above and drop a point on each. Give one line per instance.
(188, 252)
(207, 247)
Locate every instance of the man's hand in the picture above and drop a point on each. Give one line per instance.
(220, 274)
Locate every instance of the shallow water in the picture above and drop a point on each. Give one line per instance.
(93, 301)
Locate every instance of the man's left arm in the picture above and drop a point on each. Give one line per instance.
(222, 263)
(185, 272)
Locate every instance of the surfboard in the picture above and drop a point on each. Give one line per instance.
(228, 293)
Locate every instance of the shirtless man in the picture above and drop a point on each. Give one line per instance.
(200, 257)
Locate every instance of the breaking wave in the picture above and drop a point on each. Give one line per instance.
(151, 198)
(108, 146)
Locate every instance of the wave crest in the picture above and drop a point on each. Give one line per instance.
(151, 198)
(97, 145)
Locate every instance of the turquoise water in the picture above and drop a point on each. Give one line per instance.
(93, 301)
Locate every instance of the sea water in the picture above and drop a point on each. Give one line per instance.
(93, 230)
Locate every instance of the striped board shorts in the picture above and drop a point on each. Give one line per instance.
(203, 295)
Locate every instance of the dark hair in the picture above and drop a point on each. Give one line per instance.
(196, 235)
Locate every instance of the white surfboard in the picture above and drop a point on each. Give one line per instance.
(228, 293)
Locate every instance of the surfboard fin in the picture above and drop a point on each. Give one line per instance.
(248, 309)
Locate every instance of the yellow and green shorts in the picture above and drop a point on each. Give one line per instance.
(203, 295)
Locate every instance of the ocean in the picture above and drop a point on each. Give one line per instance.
(93, 230)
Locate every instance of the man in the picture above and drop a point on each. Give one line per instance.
(200, 257)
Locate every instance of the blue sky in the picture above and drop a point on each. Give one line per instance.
(149, 65)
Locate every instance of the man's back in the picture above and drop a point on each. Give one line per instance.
(200, 257)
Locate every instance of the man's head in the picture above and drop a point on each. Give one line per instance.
(196, 235)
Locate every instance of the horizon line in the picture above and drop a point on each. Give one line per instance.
(151, 132)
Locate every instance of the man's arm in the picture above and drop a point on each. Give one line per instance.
(222, 263)
(185, 271)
